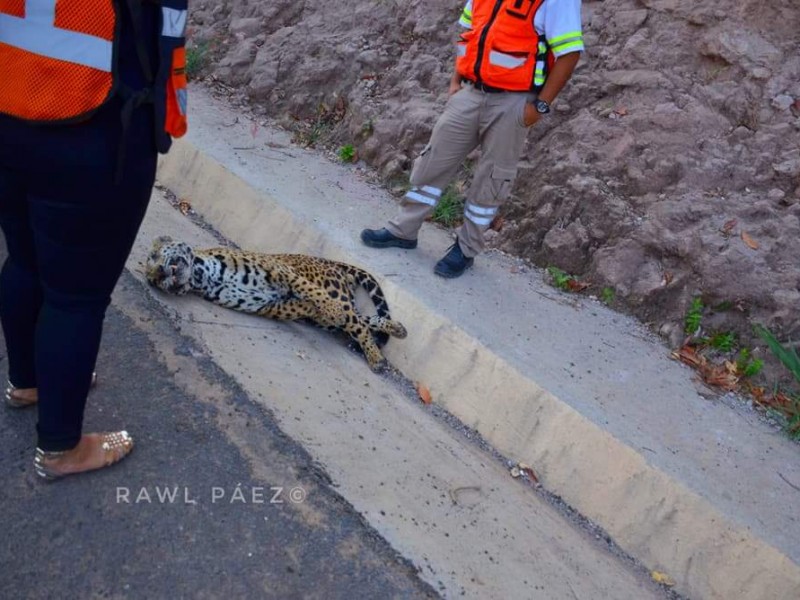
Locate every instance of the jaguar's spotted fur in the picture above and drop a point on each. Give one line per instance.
(279, 286)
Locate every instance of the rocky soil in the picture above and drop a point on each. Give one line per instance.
(670, 169)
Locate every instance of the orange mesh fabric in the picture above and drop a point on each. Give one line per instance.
(15, 8)
(94, 18)
(45, 89)
(176, 87)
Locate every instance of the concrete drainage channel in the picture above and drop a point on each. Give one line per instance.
(430, 487)
(663, 519)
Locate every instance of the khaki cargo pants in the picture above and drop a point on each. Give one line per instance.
(471, 118)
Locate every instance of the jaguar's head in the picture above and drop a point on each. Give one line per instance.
(169, 266)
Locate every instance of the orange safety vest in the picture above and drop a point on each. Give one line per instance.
(58, 62)
(503, 49)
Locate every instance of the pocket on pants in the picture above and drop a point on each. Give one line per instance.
(502, 180)
(419, 168)
(521, 114)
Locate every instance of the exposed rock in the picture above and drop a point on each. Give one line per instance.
(789, 165)
(776, 195)
(636, 77)
(567, 248)
(782, 102)
(245, 27)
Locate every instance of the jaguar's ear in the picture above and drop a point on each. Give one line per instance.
(186, 248)
(160, 242)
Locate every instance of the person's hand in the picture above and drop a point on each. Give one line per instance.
(530, 116)
(455, 85)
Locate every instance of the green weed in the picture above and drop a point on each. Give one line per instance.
(724, 341)
(347, 153)
(793, 421)
(746, 365)
(723, 306)
(450, 209)
(196, 60)
(790, 408)
(561, 279)
(308, 135)
(787, 356)
(694, 316)
(608, 295)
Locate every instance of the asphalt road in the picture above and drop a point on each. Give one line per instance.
(169, 521)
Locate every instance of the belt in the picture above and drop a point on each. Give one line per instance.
(482, 87)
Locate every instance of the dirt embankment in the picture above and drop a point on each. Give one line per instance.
(670, 169)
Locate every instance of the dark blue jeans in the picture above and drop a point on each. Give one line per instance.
(69, 230)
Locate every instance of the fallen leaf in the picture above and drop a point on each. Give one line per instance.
(689, 355)
(778, 401)
(728, 226)
(184, 207)
(720, 377)
(749, 241)
(424, 393)
(668, 277)
(662, 578)
(621, 111)
(497, 223)
(758, 393)
(577, 286)
(527, 470)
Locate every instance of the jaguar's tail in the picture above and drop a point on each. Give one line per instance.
(367, 282)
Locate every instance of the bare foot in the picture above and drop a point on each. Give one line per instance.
(94, 451)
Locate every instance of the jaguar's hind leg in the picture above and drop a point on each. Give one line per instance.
(360, 332)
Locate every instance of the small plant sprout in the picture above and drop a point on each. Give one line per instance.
(694, 316)
(347, 153)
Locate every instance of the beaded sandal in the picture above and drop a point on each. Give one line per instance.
(116, 446)
(15, 401)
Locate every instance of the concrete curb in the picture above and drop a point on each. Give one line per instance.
(652, 516)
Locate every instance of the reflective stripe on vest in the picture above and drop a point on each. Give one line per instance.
(503, 49)
(174, 28)
(55, 57)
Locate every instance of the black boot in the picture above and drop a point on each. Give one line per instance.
(383, 238)
(454, 263)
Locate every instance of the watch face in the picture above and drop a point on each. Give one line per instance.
(542, 106)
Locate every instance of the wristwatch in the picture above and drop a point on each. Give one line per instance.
(542, 107)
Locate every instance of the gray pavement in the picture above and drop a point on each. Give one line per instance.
(78, 537)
